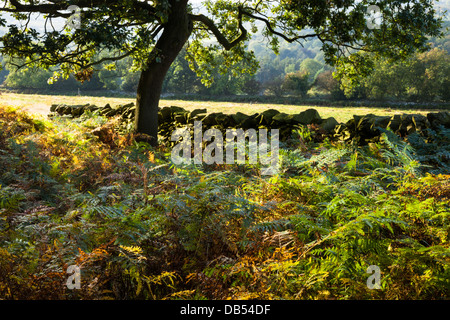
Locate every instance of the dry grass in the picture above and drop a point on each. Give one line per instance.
(41, 104)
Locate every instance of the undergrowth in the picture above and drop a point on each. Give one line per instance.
(140, 227)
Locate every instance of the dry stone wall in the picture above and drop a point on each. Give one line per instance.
(363, 129)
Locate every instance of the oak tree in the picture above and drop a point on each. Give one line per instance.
(153, 33)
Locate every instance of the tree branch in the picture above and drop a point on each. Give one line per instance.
(112, 59)
(50, 8)
(54, 7)
(273, 31)
(218, 34)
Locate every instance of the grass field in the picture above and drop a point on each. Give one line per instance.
(41, 104)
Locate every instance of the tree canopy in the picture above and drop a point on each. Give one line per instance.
(153, 33)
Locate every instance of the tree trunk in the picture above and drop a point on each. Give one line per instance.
(176, 33)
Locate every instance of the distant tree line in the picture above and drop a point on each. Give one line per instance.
(298, 70)
(424, 77)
